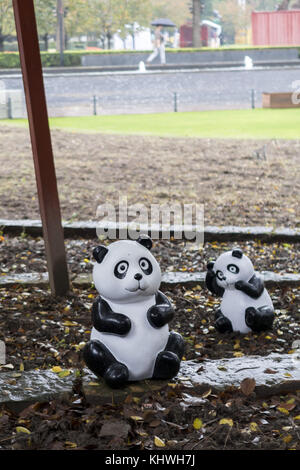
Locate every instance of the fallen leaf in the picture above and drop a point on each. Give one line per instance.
(159, 442)
(115, 429)
(247, 386)
(22, 429)
(270, 371)
(226, 421)
(197, 423)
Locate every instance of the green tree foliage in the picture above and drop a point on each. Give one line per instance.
(7, 24)
(45, 11)
(178, 10)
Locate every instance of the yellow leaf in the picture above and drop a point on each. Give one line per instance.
(238, 354)
(253, 426)
(287, 438)
(283, 410)
(172, 385)
(56, 369)
(70, 444)
(197, 423)
(69, 323)
(24, 430)
(21, 367)
(159, 442)
(86, 260)
(94, 384)
(64, 373)
(297, 418)
(226, 421)
(287, 374)
(136, 418)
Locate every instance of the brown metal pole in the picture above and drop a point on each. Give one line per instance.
(41, 145)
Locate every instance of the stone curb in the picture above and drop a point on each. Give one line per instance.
(20, 389)
(169, 279)
(87, 229)
(156, 67)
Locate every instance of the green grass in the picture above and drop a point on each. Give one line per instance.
(256, 124)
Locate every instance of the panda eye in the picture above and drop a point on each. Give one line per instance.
(220, 275)
(233, 268)
(121, 269)
(145, 265)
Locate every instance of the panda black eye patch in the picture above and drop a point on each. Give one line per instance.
(233, 268)
(121, 269)
(146, 266)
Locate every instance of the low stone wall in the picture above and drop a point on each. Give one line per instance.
(205, 56)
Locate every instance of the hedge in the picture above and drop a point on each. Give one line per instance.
(49, 59)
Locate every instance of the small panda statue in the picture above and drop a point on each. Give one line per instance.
(246, 305)
(130, 339)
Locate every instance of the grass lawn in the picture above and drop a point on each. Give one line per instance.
(250, 123)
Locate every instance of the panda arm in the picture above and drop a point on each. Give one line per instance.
(211, 281)
(161, 313)
(254, 288)
(107, 321)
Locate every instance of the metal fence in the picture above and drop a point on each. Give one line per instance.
(12, 103)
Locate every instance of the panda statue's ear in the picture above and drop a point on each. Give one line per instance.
(145, 241)
(237, 253)
(99, 252)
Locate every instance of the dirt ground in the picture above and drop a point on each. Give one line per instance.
(44, 332)
(230, 177)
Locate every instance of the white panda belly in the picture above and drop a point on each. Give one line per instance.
(139, 348)
(235, 303)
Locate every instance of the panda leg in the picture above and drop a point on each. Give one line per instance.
(168, 361)
(101, 361)
(222, 323)
(259, 319)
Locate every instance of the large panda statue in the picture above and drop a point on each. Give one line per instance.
(246, 305)
(130, 339)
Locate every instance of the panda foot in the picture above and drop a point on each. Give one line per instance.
(223, 324)
(166, 366)
(116, 375)
(260, 319)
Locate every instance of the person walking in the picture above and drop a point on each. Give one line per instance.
(159, 46)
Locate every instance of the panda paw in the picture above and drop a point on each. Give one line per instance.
(166, 366)
(116, 375)
(223, 324)
(260, 319)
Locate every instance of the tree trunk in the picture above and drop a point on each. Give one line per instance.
(46, 41)
(2, 38)
(196, 23)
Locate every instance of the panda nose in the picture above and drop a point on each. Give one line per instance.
(138, 276)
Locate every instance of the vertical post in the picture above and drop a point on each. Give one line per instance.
(41, 145)
(252, 98)
(196, 23)
(175, 102)
(9, 108)
(95, 105)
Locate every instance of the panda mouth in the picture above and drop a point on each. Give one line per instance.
(135, 290)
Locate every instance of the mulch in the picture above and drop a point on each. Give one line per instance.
(41, 331)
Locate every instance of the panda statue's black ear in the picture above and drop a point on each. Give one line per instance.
(145, 241)
(237, 253)
(99, 252)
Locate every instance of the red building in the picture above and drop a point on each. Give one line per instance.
(276, 28)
